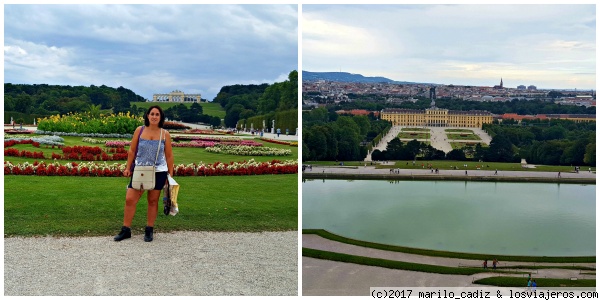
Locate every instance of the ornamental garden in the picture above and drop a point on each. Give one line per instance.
(51, 151)
(86, 149)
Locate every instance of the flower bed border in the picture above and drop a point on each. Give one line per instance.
(91, 169)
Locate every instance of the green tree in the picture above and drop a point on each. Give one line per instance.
(317, 145)
(363, 124)
(574, 154)
(589, 157)
(500, 150)
(94, 110)
(289, 93)
(413, 147)
(269, 100)
(456, 154)
(215, 121)
(23, 103)
(233, 115)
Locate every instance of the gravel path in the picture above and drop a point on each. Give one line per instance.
(438, 140)
(179, 263)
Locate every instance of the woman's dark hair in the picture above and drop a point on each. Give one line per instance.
(162, 116)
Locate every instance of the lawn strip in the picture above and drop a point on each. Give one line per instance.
(541, 282)
(472, 256)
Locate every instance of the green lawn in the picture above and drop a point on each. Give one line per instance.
(418, 136)
(208, 108)
(541, 282)
(460, 130)
(84, 206)
(182, 155)
(459, 255)
(415, 129)
(460, 145)
(470, 137)
(450, 164)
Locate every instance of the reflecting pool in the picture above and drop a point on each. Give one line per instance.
(539, 219)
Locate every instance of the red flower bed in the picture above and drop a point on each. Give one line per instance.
(69, 153)
(293, 144)
(104, 170)
(11, 143)
(87, 153)
(24, 153)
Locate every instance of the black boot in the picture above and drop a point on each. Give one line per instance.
(124, 234)
(149, 236)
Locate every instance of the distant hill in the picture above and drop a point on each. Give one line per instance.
(347, 77)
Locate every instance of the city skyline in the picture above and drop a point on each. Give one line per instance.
(548, 46)
(150, 48)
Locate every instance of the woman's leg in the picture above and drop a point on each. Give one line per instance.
(131, 200)
(153, 196)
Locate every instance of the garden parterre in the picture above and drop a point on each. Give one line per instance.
(91, 169)
(116, 150)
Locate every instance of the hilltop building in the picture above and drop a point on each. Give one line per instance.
(436, 117)
(177, 96)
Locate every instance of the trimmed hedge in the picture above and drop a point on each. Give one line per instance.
(283, 120)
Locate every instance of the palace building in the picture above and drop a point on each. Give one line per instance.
(176, 96)
(436, 117)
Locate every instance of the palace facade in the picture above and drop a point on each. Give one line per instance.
(436, 117)
(176, 96)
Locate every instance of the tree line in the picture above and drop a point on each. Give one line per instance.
(44, 99)
(329, 136)
(246, 101)
(549, 142)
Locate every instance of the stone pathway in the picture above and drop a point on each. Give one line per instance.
(461, 172)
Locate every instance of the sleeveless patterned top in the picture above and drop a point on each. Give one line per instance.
(147, 153)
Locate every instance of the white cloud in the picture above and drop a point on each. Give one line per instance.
(150, 48)
(431, 43)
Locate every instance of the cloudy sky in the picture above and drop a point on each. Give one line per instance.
(549, 46)
(150, 48)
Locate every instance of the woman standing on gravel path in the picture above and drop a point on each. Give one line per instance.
(148, 139)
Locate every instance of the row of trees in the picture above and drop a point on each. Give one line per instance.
(246, 101)
(396, 150)
(44, 99)
(549, 142)
(329, 136)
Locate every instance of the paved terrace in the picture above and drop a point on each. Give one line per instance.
(324, 277)
(370, 170)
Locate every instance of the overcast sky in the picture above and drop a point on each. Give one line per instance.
(150, 48)
(549, 46)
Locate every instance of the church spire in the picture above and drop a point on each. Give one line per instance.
(501, 84)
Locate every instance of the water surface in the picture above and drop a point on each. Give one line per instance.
(539, 219)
